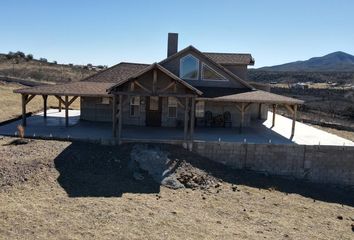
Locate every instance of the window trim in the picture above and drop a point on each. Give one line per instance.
(180, 67)
(169, 106)
(214, 80)
(136, 104)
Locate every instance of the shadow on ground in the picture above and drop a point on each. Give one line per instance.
(322, 192)
(90, 170)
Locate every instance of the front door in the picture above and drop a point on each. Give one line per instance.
(153, 111)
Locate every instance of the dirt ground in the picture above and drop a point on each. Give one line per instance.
(64, 190)
(10, 103)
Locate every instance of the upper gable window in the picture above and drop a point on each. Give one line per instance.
(210, 74)
(189, 68)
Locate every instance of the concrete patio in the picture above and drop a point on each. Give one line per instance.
(54, 127)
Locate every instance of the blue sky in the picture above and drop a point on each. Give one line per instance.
(108, 32)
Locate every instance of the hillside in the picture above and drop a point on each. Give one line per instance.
(333, 62)
(267, 76)
(21, 66)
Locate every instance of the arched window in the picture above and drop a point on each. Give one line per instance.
(189, 68)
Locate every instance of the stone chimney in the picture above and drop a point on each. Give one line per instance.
(172, 44)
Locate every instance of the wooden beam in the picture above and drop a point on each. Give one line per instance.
(72, 100)
(274, 106)
(192, 119)
(24, 100)
(294, 121)
(186, 106)
(290, 109)
(167, 87)
(114, 116)
(181, 95)
(60, 99)
(260, 111)
(154, 81)
(120, 118)
(30, 98)
(66, 111)
(59, 106)
(143, 87)
(45, 97)
(242, 116)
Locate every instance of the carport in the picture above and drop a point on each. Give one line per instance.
(65, 93)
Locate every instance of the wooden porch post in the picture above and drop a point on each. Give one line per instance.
(192, 119)
(186, 118)
(45, 97)
(294, 121)
(114, 116)
(59, 106)
(24, 100)
(242, 116)
(274, 112)
(260, 111)
(66, 111)
(120, 118)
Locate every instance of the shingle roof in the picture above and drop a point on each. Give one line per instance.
(231, 58)
(212, 92)
(256, 96)
(117, 73)
(69, 89)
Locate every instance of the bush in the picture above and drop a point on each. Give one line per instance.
(43, 60)
(55, 62)
(10, 55)
(20, 54)
(29, 57)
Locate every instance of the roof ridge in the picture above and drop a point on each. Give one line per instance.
(227, 53)
(133, 63)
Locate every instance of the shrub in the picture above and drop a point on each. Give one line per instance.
(43, 60)
(20, 54)
(55, 62)
(29, 57)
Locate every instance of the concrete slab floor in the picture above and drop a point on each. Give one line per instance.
(259, 132)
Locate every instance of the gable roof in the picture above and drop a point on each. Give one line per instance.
(116, 73)
(231, 58)
(162, 69)
(222, 68)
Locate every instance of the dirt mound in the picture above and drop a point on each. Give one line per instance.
(167, 170)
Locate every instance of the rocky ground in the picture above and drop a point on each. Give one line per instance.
(63, 190)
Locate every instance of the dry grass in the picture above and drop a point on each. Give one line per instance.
(342, 133)
(42, 71)
(38, 207)
(10, 103)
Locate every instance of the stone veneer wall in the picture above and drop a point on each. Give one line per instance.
(324, 164)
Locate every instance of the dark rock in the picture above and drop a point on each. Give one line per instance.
(340, 217)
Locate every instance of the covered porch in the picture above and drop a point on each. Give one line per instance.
(53, 127)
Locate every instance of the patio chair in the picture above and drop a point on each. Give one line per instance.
(227, 119)
(219, 120)
(208, 119)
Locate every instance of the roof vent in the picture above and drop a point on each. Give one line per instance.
(172, 45)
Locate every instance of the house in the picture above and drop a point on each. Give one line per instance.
(188, 89)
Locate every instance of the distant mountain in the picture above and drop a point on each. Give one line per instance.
(333, 62)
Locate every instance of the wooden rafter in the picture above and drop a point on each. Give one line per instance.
(142, 87)
(168, 87)
(28, 99)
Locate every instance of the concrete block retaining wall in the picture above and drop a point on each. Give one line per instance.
(324, 164)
